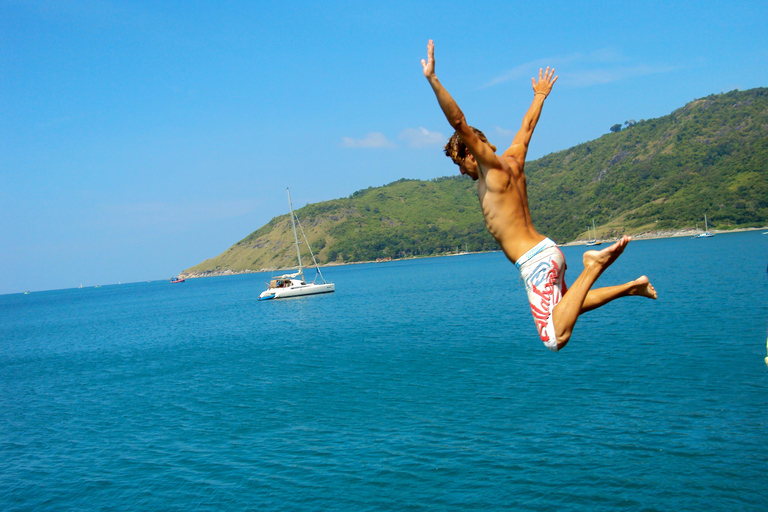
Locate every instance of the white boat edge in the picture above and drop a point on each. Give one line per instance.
(297, 289)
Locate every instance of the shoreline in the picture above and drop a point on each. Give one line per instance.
(648, 235)
(672, 233)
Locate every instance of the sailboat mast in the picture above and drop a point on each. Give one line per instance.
(293, 222)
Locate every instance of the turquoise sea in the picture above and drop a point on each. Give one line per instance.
(418, 385)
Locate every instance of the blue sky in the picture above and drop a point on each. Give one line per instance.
(139, 138)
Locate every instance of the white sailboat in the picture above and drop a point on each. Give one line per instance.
(294, 285)
(706, 233)
(592, 241)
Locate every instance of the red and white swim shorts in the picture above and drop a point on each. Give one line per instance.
(543, 270)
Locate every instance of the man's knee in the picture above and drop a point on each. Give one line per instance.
(562, 339)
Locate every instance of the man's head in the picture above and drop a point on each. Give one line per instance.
(457, 151)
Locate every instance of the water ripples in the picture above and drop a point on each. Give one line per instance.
(390, 395)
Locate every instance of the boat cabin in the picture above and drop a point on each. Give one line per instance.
(283, 283)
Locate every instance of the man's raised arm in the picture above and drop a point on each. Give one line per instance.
(453, 113)
(541, 90)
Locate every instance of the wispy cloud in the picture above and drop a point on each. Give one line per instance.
(372, 140)
(159, 213)
(585, 69)
(503, 132)
(586, 78)
(413, 137)
(56, 122)
(421, 137)
(521, 71)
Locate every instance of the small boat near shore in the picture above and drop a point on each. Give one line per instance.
(706, 233)
(175, 280)
(593, 241)
(294, 285)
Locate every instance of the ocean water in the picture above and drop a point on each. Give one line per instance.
(418, 385)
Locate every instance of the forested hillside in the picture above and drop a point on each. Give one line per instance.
(709, 157)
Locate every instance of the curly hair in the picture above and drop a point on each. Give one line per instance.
(457, 151)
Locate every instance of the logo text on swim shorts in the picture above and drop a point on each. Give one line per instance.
(541, 314)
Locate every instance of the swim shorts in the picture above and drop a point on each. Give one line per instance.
(543, 270)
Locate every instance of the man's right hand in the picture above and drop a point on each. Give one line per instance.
(429, 64)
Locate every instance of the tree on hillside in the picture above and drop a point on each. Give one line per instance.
(616, 128)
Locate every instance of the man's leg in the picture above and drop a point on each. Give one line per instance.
(601, 296)
(569, 308)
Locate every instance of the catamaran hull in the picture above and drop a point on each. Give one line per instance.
(297, 291)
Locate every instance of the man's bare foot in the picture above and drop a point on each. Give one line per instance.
(604, 258)
(643, 288)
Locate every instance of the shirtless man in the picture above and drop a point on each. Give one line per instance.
(501, 189)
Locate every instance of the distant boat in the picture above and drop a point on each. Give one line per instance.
(177, 280)
(592, 241)
(294, 285)
(26, 292)
(706, 233)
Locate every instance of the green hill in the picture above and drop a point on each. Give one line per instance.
(709, 157)
(404, 218)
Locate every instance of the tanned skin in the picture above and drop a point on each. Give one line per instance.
(501, 188)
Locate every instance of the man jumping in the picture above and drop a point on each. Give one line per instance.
(501, 189)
